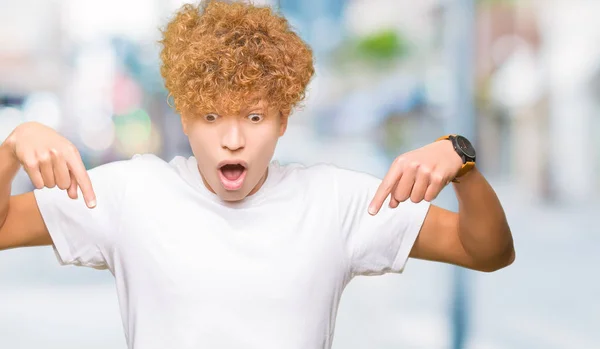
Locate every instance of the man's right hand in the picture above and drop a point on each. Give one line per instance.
(50, 160)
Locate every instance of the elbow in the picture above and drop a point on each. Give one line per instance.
(500, 261)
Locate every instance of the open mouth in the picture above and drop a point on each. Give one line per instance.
(232, 175)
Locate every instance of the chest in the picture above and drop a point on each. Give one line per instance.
(278, 255)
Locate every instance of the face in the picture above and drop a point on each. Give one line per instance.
(234, 151)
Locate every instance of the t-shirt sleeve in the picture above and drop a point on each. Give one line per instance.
(82, 236)
(375, 244)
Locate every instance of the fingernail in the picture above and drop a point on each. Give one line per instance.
(371, 210)
(92, 204)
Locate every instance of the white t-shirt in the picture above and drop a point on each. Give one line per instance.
(194, 272)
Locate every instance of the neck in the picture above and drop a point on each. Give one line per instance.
(260, 183)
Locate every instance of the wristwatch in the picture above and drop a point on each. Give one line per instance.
(465, 150)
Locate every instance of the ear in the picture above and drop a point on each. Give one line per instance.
(283, 123)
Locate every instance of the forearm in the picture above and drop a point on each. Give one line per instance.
(483, 229)
(9, 166)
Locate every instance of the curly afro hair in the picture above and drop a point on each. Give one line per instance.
(217, 56)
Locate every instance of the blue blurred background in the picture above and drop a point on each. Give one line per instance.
(520, 78)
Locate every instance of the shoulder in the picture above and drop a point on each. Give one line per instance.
(327, 175)
(138, 162)
(148, 166)
(148, 160)
(339, 175)
(143, 169)
(302, 173)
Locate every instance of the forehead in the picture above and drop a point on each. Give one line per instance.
(228, 107)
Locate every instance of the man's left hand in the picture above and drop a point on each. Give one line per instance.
(420, 175)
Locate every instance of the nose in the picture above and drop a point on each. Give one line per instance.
(233, 136)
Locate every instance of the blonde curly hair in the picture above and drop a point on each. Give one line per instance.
(218, 55)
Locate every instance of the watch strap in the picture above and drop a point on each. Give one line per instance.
(467, 165)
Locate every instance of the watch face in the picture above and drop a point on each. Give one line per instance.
(465, 146)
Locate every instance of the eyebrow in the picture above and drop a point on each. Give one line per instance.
(254, 108)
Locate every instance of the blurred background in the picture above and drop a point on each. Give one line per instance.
(519, 78)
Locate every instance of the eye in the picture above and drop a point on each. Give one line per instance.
(211, 117)
(255, 118)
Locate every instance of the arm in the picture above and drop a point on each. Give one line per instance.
(9, 166)
(50, 160)
(20, 221)
(477, 237)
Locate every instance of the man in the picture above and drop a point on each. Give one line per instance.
(228, 249)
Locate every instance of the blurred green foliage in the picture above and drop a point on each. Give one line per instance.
(376, 50)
